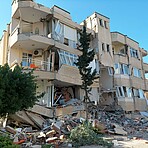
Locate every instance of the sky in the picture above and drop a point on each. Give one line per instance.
(129, 17)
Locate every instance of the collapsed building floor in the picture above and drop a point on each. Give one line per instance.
(43, 125)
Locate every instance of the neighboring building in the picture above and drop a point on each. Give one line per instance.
(46, 39)
(129, 77)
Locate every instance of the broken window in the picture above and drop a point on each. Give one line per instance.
(71, 35)
(123, 91)
(93, 65)
(62, 57)
(136, 72)
(67, 58)
(134, 53)
(59, 31)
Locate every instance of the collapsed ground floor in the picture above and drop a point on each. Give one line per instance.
(58, 93)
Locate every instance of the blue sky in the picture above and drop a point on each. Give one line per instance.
(129, 17)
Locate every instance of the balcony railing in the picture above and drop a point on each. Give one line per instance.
(36, 64)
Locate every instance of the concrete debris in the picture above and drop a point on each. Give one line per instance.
(36, 128)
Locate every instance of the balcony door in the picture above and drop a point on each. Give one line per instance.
(26, 59)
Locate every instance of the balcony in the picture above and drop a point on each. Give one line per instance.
(29, 40)
(120, 58)
(117, 38)
(138, 83)
(29, 10)
(146, 82)
(145, 67)
(42, 69)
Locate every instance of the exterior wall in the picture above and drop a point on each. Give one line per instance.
(126, 103)
(3, 48)
(121, 41)
(106, 81)
(25, 38)
(102, 34)
(69, 74)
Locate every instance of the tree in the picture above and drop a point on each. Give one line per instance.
(17, 90)
(84, 60)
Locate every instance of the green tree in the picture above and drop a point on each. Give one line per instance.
(87, 56)
(17, 90)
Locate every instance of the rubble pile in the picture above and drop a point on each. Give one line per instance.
(41, 125)
(118, 123)
(52, 131)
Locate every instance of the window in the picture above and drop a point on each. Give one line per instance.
(129, 92)
(67, 58)
(138, 93)
(110, 71)
(134, 53)
(103, 48)
(121, 69)
(37, 30)
(124, 69)
(105, 24)
(122, 51)
(135, 92)
(141, 94)
(59, 31)
(108, 48)
(62, 57)
(116, 68)
(119, 91)
(123, 91)
(26, 59)
(136, 72)
(101, 22)
(113, 50)
(65, 41)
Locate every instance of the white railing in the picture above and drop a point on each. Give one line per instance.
(36, 64)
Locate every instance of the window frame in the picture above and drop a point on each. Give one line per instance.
(134, 53)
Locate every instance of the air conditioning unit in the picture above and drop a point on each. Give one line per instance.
(38, 52)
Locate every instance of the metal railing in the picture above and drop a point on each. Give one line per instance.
(36, 64)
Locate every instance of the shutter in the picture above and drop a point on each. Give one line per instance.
(70, 33)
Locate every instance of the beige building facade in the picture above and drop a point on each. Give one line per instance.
(46, 39)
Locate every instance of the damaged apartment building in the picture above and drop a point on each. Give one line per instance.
(46, 40)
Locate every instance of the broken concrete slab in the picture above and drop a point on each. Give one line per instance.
(57, 126)
(22, 117)
(120, 131)
(10, 130)
(42, 110)
(37, 119)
